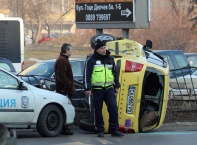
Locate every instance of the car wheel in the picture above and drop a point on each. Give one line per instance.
(50, 121)
(87, 125)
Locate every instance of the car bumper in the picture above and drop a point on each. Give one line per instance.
(70, 113)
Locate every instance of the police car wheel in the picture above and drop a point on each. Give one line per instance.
(50, 121)
(87, 125)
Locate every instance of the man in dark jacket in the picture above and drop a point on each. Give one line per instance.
(64, 76)
(101, 80)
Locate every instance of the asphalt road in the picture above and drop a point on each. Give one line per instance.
(169, 134)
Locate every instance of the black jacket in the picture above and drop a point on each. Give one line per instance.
(91, 61)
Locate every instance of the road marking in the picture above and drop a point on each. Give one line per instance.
(169, 133)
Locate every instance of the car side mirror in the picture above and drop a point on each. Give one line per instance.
(149, 44)
(21, 86)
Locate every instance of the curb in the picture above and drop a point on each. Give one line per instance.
(180, 124)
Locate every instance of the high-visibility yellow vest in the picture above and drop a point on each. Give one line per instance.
(102, 75)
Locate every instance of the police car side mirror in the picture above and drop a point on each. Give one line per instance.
(21, 86)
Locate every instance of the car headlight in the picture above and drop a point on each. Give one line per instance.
(41, 81)
(42, 84)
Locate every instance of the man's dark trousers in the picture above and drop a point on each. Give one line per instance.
(107, 95)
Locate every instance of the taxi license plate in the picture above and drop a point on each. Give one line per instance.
(130, 100)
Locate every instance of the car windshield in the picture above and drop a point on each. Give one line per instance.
(47, 69)
(39, 69)
(5, 66)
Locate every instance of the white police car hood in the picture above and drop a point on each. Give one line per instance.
(47, 95)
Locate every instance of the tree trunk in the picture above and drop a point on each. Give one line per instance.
(48, 30)
(39, 29)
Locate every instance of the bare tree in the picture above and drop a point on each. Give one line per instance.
(49, 13)
(11, 5)
(192, 14)
(169, 28)
(42, 13)
(61, 8)
(35, 13)
(175, 6)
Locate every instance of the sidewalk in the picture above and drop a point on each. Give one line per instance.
(178, 126)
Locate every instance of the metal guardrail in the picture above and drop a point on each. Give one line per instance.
(183, 90)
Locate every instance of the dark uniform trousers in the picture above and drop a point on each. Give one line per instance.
(107, 95)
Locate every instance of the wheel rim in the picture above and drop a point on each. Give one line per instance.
(52, 121)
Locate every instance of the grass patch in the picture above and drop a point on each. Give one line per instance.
(41, 54)
(44, 52)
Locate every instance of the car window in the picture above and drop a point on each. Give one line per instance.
(192, 60)
(168, 59)
(7, 81)
(182, 62)
(5, 66)
(77, 68)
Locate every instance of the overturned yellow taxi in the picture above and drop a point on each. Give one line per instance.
(143, 96)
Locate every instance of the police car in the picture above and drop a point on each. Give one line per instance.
(25, 106)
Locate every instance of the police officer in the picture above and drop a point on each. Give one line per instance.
(101, 81)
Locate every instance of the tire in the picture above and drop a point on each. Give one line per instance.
(50, 121)
(102, 37)
(4, 134)
(87, 125)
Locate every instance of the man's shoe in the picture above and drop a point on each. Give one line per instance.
(67, 131)
(100, 134)
(117, 134)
